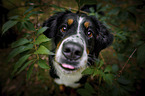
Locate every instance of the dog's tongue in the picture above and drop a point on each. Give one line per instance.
(68, 66)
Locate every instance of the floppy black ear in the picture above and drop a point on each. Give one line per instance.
(52, 23)
(104, 38)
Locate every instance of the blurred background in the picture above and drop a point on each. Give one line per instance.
(121, 66)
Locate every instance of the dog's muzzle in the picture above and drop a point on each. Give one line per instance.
(71, 55)
(72, 51)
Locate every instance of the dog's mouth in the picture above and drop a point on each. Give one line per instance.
(68, 67)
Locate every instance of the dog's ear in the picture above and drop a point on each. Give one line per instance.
(52, 23)
(103, 39)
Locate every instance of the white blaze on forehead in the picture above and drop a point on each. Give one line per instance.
(80, 21)
(69, 78)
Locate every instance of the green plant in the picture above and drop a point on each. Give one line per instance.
(30, 47)
(117, 79)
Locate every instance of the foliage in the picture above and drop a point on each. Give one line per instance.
(32, 48)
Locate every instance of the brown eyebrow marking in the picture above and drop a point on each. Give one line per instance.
(86, 24)
(70, 21)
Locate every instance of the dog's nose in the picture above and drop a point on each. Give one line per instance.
(72, 51)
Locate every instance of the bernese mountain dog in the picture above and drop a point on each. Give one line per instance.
(78, 38)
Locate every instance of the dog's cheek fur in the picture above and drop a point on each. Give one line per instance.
(103, 39)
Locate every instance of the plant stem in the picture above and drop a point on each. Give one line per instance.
(34, 37)
(102, 58)
(120, 72)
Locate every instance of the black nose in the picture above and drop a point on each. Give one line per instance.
(72, 51)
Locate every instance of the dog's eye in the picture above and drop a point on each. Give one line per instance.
(90, 34)
(63, 29)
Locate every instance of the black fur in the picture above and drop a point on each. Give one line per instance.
(101, 36)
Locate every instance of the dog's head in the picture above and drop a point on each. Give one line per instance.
(78, 39)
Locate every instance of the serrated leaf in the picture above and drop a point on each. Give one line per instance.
(41, 30)
(141, 54)
(43, 50)
(29, 26)
(25, 65)
(88, 71)
(8, 25)
(21, 41)
(19, 50)
(30, 8)
(108, 69)
(20, 62)
(30, 70)
(41, 38)
(43, 64)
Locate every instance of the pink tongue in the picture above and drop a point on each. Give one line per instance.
(68, 66)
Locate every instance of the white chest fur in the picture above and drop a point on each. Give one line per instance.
(68, 79)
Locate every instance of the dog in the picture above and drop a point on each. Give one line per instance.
(78, 39)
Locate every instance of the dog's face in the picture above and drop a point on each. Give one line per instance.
(78, 39)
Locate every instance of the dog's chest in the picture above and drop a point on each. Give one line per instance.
(69, 80)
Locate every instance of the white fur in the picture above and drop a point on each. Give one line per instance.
(68, 78)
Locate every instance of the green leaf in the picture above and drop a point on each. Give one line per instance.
(83, 92)
(41, 38)
(14, 17)
(25, 65)
(8, 25)
(29, 26)
(33, 13)
(108, 69)
(20, 62)
(115, 68)
(108, 78)
(20, 26)
(58, 7)
(101, 64)
(30, 70)
(19, 50)
(114, 11)
(30, 8)
(123, 81)
(141, 54)
(89, 88)
(43, 64)
(88, 71)
(43, 50)
(21, 41)
(98, 72)
(42, 30)
(123, 15)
